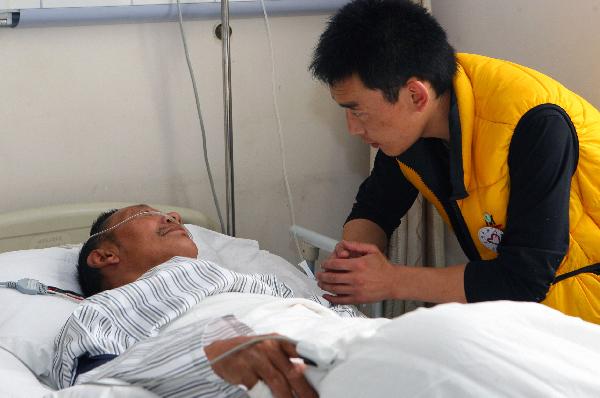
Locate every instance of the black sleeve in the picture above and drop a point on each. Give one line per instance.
(542, 158)
(385, 196)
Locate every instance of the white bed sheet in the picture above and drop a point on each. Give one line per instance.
(16, 380)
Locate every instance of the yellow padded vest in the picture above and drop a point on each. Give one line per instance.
(492, 96)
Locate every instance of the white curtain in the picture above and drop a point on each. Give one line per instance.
(422, 239)
(418, 241)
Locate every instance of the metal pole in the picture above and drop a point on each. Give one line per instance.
(229, 170)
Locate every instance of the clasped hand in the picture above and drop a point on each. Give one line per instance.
(356, 273)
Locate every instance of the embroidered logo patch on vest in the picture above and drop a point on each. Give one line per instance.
(491, 235)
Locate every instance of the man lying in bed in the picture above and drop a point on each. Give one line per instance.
(158, 323)
(140, 267)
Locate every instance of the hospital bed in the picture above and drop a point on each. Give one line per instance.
(43, 244)
(487, 349)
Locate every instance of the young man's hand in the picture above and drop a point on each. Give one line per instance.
(341, 251)
(357, 273)
(268, 360)
(370, 277)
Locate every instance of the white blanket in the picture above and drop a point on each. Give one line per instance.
(496, 349)
(503, 349)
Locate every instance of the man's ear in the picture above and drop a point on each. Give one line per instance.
(418, 92)
(102, 257)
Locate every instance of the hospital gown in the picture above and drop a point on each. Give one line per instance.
(126, 321)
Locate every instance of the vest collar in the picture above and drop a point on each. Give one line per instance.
(440, 164)
(456, 158)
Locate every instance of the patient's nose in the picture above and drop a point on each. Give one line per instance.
(174, 217)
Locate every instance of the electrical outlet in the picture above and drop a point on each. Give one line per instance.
(5, 19)
(9, 19)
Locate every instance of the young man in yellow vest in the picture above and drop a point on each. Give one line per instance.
(508, 156)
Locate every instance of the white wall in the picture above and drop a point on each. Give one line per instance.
(556, 37)
(105, 113)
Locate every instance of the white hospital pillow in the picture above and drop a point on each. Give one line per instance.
(245, 256)
(55, 266)
(29, 324)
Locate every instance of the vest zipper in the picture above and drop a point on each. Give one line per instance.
(457, 222)
(468, 245)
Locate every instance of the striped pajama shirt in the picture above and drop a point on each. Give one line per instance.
(126, 322)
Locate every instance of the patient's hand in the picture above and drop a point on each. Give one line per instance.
(267, 360)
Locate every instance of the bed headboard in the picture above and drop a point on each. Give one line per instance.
(68, 224)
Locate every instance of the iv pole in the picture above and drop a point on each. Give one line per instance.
(228, 124)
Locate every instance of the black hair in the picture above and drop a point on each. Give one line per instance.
(385, 42)
(90, 279)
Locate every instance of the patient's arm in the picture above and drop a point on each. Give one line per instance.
(181, 360)
(173, 362)
(267, 360)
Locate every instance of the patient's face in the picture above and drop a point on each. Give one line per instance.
(150, 240)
